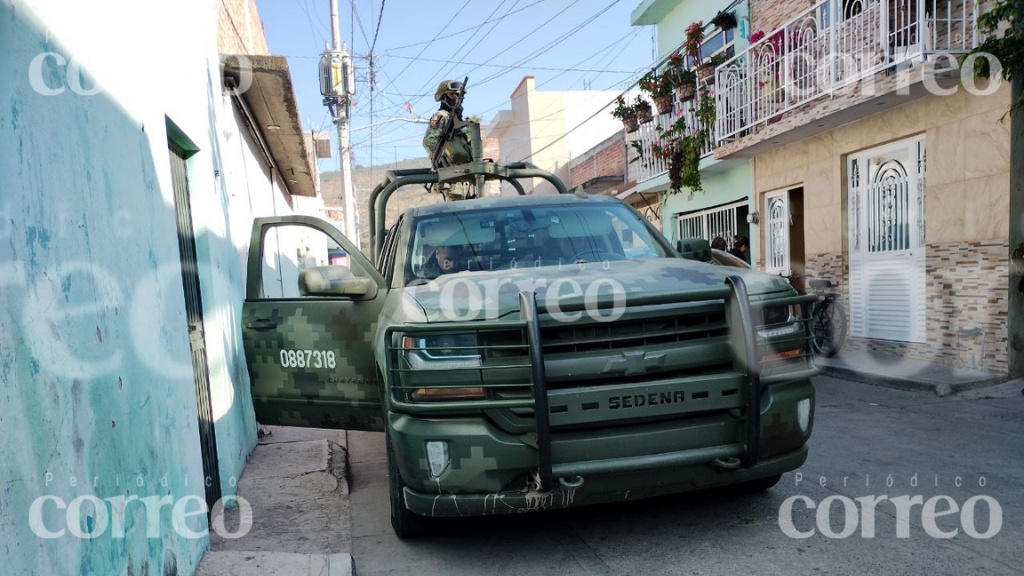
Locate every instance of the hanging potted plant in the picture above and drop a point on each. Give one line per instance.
(706, 114)
(681, 148)
(642, 107)
(686, 85)
(706, 71)
(725, 20)
(627, 114)
(659, 87)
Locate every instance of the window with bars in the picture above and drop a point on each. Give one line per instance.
(719, 222)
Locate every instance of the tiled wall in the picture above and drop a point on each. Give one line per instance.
(966, 287)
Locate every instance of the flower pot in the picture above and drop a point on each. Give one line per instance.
(644, 114)
(706, 73)
(663, 104)
(631, 124)
(686, 91)
(725, 20)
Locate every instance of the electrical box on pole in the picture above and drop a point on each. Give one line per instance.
(337, 75)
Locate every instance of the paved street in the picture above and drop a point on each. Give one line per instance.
(862, 433)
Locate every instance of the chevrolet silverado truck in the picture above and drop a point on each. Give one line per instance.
(527, 352)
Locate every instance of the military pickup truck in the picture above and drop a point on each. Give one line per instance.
(526, 353)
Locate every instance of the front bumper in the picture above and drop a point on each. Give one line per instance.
(733, 427)
(600, 489)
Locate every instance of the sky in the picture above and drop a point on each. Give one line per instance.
(423, 42)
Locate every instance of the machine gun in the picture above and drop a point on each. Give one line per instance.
(437, 158)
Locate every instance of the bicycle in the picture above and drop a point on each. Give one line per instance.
(828, 319)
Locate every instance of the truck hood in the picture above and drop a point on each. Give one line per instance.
(490, 295)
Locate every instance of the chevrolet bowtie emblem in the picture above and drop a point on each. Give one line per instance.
(634, 363)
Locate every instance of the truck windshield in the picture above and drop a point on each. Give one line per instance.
(519, 236)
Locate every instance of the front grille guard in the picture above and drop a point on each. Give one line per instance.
(747, 351)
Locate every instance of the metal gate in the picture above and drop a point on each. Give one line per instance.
(721, 222)
(887, 242)
(777, 220)
(194, 315)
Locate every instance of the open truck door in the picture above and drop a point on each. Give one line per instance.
(311, 310)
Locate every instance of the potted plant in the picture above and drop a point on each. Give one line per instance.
(706, 71)
(706, 115)
(725, 20)
(681, 148)
(686, 85)
(659, 86)
(627, 114)
(643, 111)
(694, 39)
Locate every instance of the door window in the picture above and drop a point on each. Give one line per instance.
(290, 249)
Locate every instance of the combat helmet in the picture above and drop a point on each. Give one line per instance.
(447, 87)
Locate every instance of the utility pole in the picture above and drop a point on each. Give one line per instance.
(337, 85)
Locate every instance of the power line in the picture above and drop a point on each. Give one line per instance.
(518, 41)
(540, 51)
(486, 65)
(436, 36)
(376, 32)
(453, 34)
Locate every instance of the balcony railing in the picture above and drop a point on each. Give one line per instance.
(649, 166)
(831, 45)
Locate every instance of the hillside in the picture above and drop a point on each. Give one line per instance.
(364, 180)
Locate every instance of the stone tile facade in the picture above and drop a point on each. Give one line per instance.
(966, 288)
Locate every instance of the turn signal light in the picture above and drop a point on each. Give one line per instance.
(781, 355)
(437, 394)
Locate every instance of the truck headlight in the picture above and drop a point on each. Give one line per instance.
(781, 321)
(442, 352)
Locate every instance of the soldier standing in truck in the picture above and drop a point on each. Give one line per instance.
(457, 149)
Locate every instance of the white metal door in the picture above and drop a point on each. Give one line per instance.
(887, 242)
(777, 221)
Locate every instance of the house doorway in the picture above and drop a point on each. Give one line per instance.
(886, 191)
(180, 151)
(784, 232)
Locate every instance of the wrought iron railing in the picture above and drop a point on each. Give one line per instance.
(831, 45)
(650, 166)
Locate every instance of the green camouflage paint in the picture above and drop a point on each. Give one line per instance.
(493, 452)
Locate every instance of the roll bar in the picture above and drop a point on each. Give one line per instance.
(472, 172)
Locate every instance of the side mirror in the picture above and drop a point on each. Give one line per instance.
(697, 249)
(335, 281)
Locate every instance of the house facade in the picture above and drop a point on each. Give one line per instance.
(875, 167)
(133, 166)
(549, 128)
(721, 208)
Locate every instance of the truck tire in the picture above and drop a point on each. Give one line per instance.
(759, 485)
(405, 523)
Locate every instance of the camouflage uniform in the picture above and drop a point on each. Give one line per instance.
(458, 149)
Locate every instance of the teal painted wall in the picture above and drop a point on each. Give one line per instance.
(724, 187)
(96, 380)
(672, 28)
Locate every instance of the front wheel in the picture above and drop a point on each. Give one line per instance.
(829, 326)
(405, 523)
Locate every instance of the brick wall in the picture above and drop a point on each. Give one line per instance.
(239, 28)
(965, 287)
(605, 159)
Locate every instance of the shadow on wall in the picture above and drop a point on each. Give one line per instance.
(96, 388)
